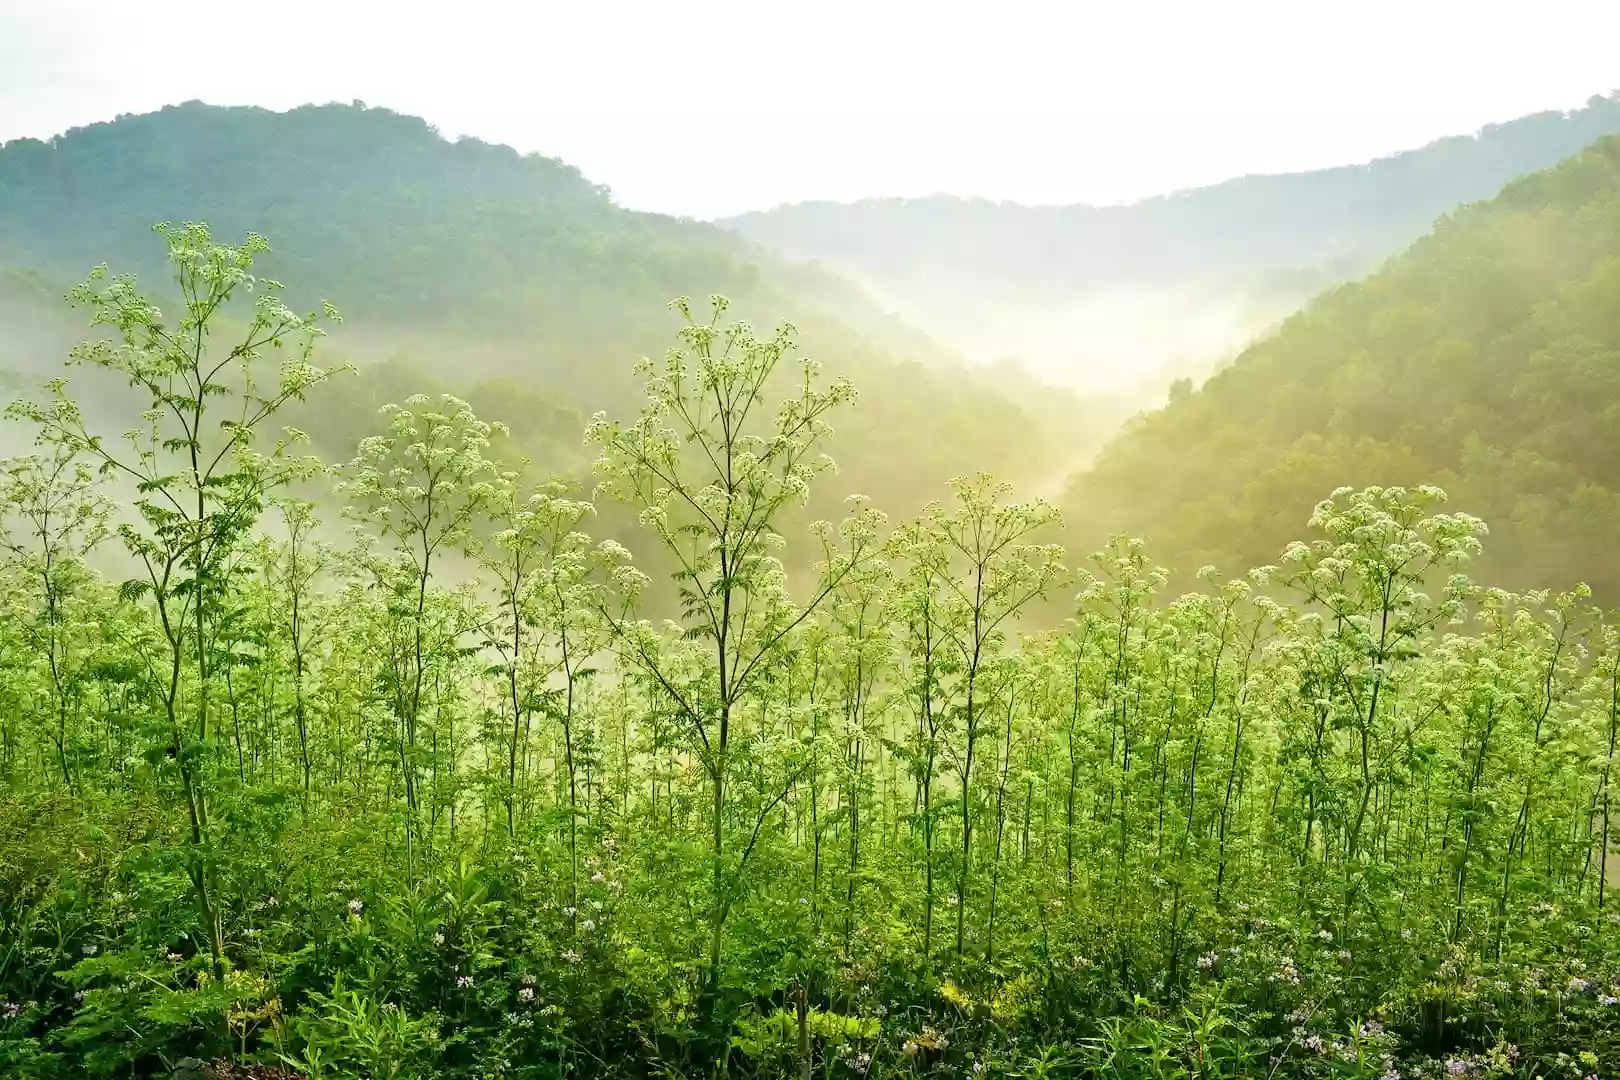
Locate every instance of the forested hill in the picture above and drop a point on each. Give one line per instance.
(375, 210)
(483, 266)
(1180, 278)
(1486, 359)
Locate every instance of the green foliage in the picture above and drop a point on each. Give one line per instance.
(445, 801)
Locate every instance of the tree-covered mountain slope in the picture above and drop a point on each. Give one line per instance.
(478, 265)
(1105, 293)
(1485, 359)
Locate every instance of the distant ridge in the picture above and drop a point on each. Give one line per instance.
(1090, 292)
(1272, 221)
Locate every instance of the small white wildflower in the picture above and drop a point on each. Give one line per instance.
(526, 994)
(355, 907)
(588, 925)
(463, 981)
(571, 955)
(598, 877)
(438, 939)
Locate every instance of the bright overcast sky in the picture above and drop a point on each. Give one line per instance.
(710, 107)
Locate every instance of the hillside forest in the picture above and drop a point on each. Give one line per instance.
(425, 687)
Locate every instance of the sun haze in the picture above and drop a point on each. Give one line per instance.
(722, 106)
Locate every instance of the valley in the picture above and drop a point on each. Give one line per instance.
(454, 626)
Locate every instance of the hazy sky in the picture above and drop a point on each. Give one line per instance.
(709, 107)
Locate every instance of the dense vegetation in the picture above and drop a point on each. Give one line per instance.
(481, 270)
(1485, 360)
(338, 804)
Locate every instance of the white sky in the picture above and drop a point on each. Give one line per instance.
(709, 107)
